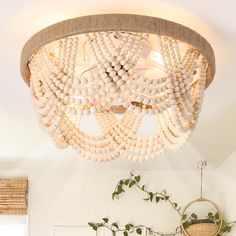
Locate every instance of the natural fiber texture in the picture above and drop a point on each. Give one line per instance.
(117, 22)
(202, 229)
(195, 227)
(13, 196)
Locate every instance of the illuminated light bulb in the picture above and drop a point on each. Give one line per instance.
(156, 57)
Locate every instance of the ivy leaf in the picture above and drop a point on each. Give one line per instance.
(210, 216)
(194, 216)
(228, 228)
(127, 227)
(139, 231)
(121, 182)
(186, 224)
(157, 199)
(95, 228)
(105, 220)
(125, 233)
(184, 216)
(146, 199)
(114, 195)
(120, 189)
(132, 183)
(217, 216)
(137, 178)
(115, 225)
(151, 196)
(126, 181)
(167, 198)
(91, 224)
(175, 205)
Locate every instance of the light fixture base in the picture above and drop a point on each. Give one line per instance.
(117, 22)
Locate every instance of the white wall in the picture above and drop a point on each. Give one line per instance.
(72, 195)
(225, 189)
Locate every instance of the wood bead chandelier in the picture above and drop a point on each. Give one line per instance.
(106, 65)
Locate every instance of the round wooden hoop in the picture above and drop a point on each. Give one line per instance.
(202, 200)
(117, 22)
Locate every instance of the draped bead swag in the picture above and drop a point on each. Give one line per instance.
(118, 78)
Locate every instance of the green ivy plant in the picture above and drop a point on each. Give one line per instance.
(129, 228)
(134, 181)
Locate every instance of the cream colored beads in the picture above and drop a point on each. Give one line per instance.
(115, 77)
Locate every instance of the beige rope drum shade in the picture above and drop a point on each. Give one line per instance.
(13, 196)
(101, 65)
(116, 22)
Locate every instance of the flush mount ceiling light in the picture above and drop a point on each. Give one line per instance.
(118, 68)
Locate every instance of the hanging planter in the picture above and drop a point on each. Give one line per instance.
(202, 227)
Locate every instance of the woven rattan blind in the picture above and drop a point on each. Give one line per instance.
(13, 196)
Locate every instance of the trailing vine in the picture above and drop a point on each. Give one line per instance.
(155, 197)
(130, 228)
(134, 181)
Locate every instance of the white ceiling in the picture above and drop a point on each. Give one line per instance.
(23, 143)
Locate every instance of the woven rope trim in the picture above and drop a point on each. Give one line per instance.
(117, 22)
